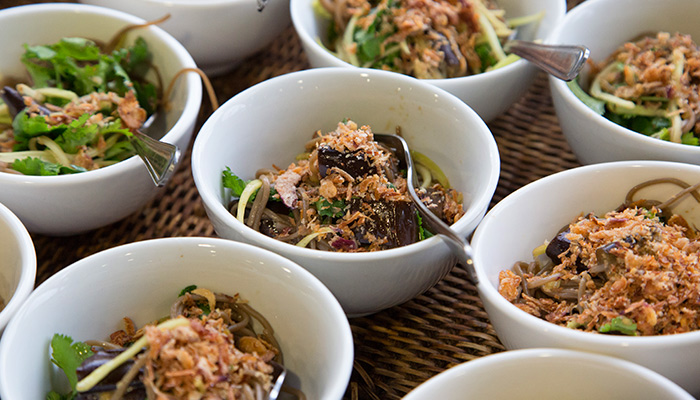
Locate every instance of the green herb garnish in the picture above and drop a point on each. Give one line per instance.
(333, 210)
(622, 325)
(68, 356)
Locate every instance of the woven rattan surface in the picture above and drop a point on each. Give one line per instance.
(399, 348)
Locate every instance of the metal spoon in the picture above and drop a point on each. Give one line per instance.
(562, 61)
(457, 244)
(160, 158)
(278, 375)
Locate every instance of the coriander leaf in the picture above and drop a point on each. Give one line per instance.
(623, 325)
(26, 127)
(35, 166)
(77, 134)
(187, 289)
(325, 208)
(422, 232)
(233, 182)
(484, 52)
(68, 356)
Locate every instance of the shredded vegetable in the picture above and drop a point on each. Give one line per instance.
(425, 39)
(650, 86)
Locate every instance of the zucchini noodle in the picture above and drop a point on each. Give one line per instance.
(428, 40)
(651, 86)
(346, 192)
(212, 345)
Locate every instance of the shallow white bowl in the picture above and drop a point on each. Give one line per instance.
(489, 94)
(535, 213)
(218, 33)
(17, 264)
(70, 204)
(603, 26)
(88, 299)
(537, 374)
(270, 122)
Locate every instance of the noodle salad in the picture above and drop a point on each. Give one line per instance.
(651, 87)
(206, 348)
(427, 39)
(80, 108)
(345, 193)
(632, 271)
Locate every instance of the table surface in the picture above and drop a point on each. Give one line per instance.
(396, 349)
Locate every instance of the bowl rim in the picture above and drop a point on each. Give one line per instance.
(479, 201)
(305, 34)
(80, 267)
(27, 276)
(182, 3)
(492, 361)
(488, 291)
(561, 88)
(192, 85)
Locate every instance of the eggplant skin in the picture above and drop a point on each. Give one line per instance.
(136, 390)
(394, 220)
(355, 163)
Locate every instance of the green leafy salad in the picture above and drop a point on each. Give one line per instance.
(649, 86)
(79, 109)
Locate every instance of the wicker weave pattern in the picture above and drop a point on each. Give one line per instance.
(399, 348)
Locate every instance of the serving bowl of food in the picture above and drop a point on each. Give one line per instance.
(456, 46)
(600, 258)
(74, 92)
(638, 98)
(327, 194)
(193, 299)
(217, 33)
(542, 373)
(17, 265)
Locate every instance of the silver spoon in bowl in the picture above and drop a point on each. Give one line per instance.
(562, 61)
(457, 244)
(160, 158)
(278, 375)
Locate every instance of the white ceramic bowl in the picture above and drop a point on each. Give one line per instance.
(270, 122)
(489, 94)
(537, 374)
(70, 204)
(17, 264)
(88, 299)
(603, 26)
(535, 213)
(218, 33)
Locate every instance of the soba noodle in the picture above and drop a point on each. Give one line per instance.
(346, 193)
(633, 271)
(172, 358)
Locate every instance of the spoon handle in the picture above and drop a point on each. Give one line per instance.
(459, 246)
(160, 157)
(562, 61)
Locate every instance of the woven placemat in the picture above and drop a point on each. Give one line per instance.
(396, 349)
